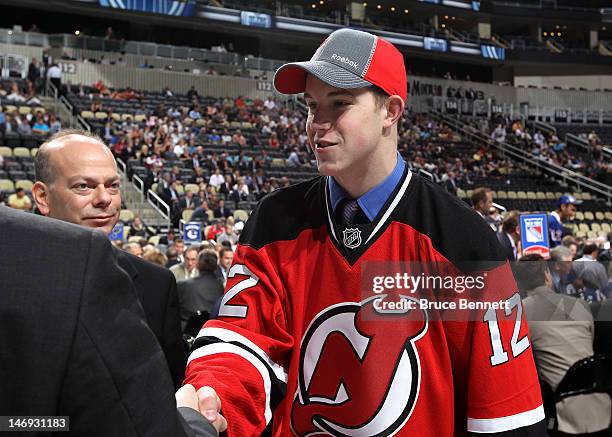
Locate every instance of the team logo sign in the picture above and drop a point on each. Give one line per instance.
(359, 372)
(351, 237)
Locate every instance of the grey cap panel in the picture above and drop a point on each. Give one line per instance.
(333, 75)
(347, 49)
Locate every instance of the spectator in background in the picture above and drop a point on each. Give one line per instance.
(216, 179)
(34, 73)
(15, 95)
(172, 256)
(189, 201)
(40, 126)
(570, 242)
(240, 191)
(450, 183)
(23, 126)
(593, 274)
(54, 124)
(566, 210)
(482, 201)
(561, 330)
(201, 292)
(510, 236)
(561, 270)
(201, 213)
(188, 268)
(155, 256)
(226, 256)
(228, 235)
(20, 200)
(221, 211)
(134, 248)
(54, 75)
(137, 228)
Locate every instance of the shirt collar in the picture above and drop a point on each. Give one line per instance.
(371, 202)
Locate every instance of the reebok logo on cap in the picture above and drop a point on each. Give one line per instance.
(345, 60)
(348, 59)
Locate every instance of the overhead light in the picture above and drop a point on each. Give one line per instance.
(443, 26)
(558, 33)
(392, 8)
(378, 6)
(321, 2)
(10, 32)
(365, 3)
(557, 26)
(603, 28)
(545, 34)
(77, 32)
(446, 17)
(406, 11)
(313, 6)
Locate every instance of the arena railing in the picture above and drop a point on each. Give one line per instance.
(139, 185)
(565, 175)
(159, 205)
(121, 165)
(575, 140)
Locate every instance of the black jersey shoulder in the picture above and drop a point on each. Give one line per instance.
(455, 229)
(284, 213)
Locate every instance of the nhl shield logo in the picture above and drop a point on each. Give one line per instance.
(352, 237)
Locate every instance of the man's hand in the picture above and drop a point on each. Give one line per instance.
(205, 401)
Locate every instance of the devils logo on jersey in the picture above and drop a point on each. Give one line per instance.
(359, 371)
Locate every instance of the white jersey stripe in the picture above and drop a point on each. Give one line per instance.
(227, 335)
(508, 423)
(219, 348)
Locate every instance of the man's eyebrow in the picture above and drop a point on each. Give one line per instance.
(334, 93)
(93, 180)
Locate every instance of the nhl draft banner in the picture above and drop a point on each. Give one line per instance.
(534, 234)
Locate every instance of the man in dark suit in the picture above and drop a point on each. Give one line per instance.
(189, 201)
(200, 293)
(74, 339)
(77, 182)
(509, 236)
(221, 211)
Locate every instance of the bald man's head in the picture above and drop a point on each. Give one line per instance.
(77, 180)
(42, 165)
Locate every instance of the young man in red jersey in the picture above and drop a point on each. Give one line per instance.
(299, 348)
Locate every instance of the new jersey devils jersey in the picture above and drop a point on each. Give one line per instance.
(301, 348)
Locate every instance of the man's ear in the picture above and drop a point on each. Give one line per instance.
(395, 108)
(40, 193)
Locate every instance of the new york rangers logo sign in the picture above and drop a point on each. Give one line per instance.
(351, 237)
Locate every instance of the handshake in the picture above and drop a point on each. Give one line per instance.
(206, 401)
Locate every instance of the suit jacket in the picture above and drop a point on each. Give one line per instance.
(155, 287)
(195, 202)
(591, 272)
(179, 272)
(74, 340)
(199, 293)
(504, 240)
(219, 213)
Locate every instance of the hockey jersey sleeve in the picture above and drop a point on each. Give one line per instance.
(244, 353)
(503, 392)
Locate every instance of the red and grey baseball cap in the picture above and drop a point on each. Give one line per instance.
(348, 58)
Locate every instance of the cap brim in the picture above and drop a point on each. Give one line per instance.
(291, 78)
